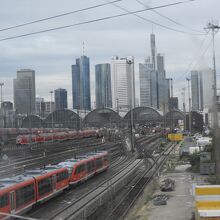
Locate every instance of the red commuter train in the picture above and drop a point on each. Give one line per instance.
(59, 136)
(18, 194)
(84, 167)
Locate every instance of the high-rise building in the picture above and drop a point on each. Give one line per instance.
(160, 64)
(24, 91)
(197, 90)
(81, 84)
(103, 85)
(153, 50)
(148, 84)
(49, 107)
(60, 99)
(40, 106)
(208, 82)
(123, 82)
(154, 87)
(163, 90)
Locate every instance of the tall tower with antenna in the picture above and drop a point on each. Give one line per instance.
(153, 49)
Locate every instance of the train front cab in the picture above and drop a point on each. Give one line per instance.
(17, 195)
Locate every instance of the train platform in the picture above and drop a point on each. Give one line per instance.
(180, 203)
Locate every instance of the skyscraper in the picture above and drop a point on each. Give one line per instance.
(154, 87)
(197, 90)
(148, 84)
(153, 50)
(81, 84)
(24, 91)
(103, 85)
(208, 82)
(160, 64)
(173, 103)
(123, 82)
(60, 99)
(40, 106)
(162, 84)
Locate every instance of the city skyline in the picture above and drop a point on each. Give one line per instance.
(51, 56)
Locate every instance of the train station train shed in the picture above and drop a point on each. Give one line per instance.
(143, 116)
(64, 118)
(102, 117)
(32, 121)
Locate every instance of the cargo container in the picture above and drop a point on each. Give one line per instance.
(175, 137)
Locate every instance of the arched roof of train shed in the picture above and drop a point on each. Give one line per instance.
(175, 114)
(143, 115)
(102, 117)
(64, 118)
(32, 121)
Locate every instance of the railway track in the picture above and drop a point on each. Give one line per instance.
(119, 164)
(37, 154)
(51, 158)
(58, 204)
(75, 209)
(124, 205)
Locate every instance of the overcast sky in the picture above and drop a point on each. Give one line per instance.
(51, 54)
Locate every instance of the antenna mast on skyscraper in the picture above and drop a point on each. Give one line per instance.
(83, 48)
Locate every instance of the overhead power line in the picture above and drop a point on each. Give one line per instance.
(195, 59)
(153, 22)
(168, 18)
(101, 19)
(57, 16)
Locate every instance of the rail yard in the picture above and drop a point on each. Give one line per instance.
(85, 199)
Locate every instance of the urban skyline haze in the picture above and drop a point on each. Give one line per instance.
(51, 54)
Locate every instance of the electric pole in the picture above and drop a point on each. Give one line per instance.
(184, 106)
(190, 123)
(213, 27)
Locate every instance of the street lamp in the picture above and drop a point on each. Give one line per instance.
(1, 85)
(130, 63)
(51, 99)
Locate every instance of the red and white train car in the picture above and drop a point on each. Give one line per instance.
(84, 167)
(49, 181)
(20, 193)
(56, 136)
(17, 194)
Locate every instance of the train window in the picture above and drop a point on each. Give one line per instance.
(77, 169)
(45, 186)
(99, 162)
(93, 164)
(4, 200)
(24, 195)
(80, 169)
(62, 176)
(90, 166)
(83, 167)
